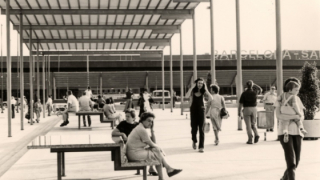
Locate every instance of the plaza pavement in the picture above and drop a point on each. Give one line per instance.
(232, 159)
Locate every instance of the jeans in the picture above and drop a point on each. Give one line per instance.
(250, 118)
(292, 150)
(84, 120)
(197, 116)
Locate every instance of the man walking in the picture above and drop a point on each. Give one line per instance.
(49, 105)
(248, 101)
(85, 105)
(129, 103)
(13, 104)
(269, 100)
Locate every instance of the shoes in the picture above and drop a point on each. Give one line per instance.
(64, 123)
(201, 150)
(194, 145)
(174, 172)
(84, 125)
(249, 142)
(153, 174)
(37, 121)
(216, 142)
(267, 130)
(271, 130)
(286, 138)
(256, 139)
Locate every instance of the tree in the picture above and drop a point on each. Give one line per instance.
(309, 91)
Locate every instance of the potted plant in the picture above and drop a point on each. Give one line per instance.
(310, 97)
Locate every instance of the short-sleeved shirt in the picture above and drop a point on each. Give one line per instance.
(88, 93)
(126, 127)
(129, 95)
(74, 103)
(84, 103)
(49, 101)
(270, 98)
(248, 98)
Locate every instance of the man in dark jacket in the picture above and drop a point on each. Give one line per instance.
(248, 101)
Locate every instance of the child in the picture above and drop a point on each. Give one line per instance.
(290, 98)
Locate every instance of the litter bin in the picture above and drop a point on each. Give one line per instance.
(265, 119)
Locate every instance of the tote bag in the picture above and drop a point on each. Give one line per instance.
(206, 127)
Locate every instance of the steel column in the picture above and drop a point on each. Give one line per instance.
(30, 77)
(101, 85)
(239, 61)
(213, 61)
(171, 77)
(21, 73)
(279, 49)
(194, 48)
(44, 86)
(162, 64)
(8, 68)
(181, 73)
(38, 73)
(49, 77)
(54, 87)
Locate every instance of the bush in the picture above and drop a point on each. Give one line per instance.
(309, 91)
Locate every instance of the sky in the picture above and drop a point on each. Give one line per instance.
(300, 27)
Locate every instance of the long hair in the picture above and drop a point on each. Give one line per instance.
(202, 90)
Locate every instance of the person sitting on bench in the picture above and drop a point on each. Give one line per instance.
(139, 139)
(73, 106)
(85, 105)
(101, 102)
(110, 111)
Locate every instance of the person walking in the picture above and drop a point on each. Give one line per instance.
(37, 108)
(85, 105)
(49, 105)
(145, 101)
(248, 101)
(129, 103)
(269, 100)
(197, 111)
(88, 92)
(213, 110)
(292, 149)
(174, 99)
(13, 104)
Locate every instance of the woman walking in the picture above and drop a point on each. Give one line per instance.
(292, 149)
(213, 110)
(197, 111)
(145, 102)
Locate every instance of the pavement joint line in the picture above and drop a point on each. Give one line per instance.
(12, 155)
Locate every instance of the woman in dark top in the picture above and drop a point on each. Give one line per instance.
(197, 111)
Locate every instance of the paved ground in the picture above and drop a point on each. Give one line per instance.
(232, 159)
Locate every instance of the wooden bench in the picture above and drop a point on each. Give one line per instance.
(90, 113)
(116, 155)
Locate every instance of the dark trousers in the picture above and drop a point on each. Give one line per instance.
(84, 120)
(197, 116)
(292, 150)
(12, 110)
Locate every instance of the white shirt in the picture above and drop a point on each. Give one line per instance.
(49, 101)
(88, 93)
(13, 101)
(74, 103)
(84, 102)
(270, 98)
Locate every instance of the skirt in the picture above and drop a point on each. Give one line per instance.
(215, 119)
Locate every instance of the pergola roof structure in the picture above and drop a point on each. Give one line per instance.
(70, 25)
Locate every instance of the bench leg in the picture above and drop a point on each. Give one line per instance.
(145, 173)
(79, 122)
(59, 165)
(63, 165)
(101, 118)
(112, 124)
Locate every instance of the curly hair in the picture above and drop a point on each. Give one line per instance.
(145, 116)
(215, 88)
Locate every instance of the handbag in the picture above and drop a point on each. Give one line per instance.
(286, 108)
(224, 114)
(206, 127)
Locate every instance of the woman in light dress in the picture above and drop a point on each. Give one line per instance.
(140, 147)
(214, 107)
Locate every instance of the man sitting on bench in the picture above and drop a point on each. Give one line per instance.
(73, 106)
(85, 105)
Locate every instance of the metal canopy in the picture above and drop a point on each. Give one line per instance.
(97, 52)
(99, 25)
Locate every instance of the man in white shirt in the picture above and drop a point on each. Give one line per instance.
(13, 103)
(49, 105)
(85, 105)
(73, 106)
(88, 92)
(269, 101)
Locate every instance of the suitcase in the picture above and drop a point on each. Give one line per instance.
(265, 119)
